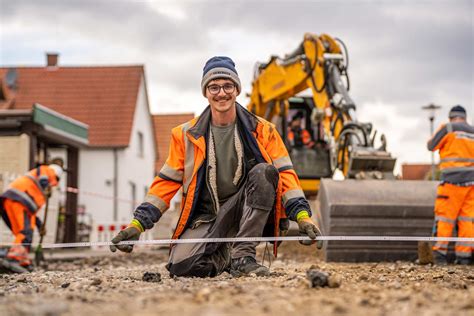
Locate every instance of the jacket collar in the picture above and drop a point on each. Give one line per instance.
(200, 128)
(248, 120)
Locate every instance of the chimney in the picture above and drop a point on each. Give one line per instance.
(52, 59)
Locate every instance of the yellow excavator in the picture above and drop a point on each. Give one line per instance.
(319, 65)
(311, 84)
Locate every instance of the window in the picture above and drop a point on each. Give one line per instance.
(140, 145)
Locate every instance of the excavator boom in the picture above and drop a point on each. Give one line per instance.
(319, 66)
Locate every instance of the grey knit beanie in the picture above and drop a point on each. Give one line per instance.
(457, 111)
(219, 67)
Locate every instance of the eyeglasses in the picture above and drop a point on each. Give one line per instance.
(215, 88)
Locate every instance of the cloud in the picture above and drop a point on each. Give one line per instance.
(402, 54)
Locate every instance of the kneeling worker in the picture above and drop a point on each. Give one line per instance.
(237, 179)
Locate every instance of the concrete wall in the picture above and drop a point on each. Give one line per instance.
(14, 162)
(14, 154)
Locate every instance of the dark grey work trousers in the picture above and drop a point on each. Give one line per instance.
(242, 215)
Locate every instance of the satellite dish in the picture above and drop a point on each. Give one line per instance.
(11, 78)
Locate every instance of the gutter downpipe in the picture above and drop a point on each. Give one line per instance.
(115, 194)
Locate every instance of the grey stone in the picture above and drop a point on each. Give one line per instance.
(317, 278)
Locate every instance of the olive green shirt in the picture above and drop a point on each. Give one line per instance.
(226, 159)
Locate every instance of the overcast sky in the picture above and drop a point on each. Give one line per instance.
(403, 54)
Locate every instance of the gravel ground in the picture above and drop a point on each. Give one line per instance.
(113, 285)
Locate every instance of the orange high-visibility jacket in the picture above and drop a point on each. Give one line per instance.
(185, 167)
(305, 138)
(29, 189)
(455, 142)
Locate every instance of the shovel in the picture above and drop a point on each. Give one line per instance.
(39, 256)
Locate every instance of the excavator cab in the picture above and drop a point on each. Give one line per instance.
(312, 161)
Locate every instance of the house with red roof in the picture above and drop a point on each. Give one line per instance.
(118, 164)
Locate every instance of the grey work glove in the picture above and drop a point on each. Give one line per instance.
(308, 227)
(129, 233)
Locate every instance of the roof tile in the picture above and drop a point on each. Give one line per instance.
(163, 124)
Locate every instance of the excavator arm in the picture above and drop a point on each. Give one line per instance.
(319, 65)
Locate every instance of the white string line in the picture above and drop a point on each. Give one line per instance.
(250, 239)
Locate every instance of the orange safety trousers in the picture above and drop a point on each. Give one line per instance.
(454, 206)
(20, 221)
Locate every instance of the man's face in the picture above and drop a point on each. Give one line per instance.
(457, 119)
(222, 101)
(295, 123)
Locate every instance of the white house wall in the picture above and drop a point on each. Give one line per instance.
(133, 168)
(97, 171)
(96, 174)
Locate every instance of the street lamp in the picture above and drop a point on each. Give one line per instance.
(431, 108)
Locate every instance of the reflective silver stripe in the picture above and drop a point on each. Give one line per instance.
(445, 219)
(35, 181)
(466, 218)
(157, 202)
(282, 162)
(188, 159)
(464, 135)
(173, 174)
(449, 170)
(465, 244)
(463, 254)
(295, 193)
(465, 184)
(442, 245)
(457, 159)
(25, 198)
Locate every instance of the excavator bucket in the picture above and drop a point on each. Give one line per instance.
(371, 160)
(375, 208)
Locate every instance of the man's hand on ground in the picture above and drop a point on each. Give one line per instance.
(309, 228)
(129, 233)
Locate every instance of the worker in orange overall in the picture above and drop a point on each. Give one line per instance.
(455, 196)
(19, 204)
